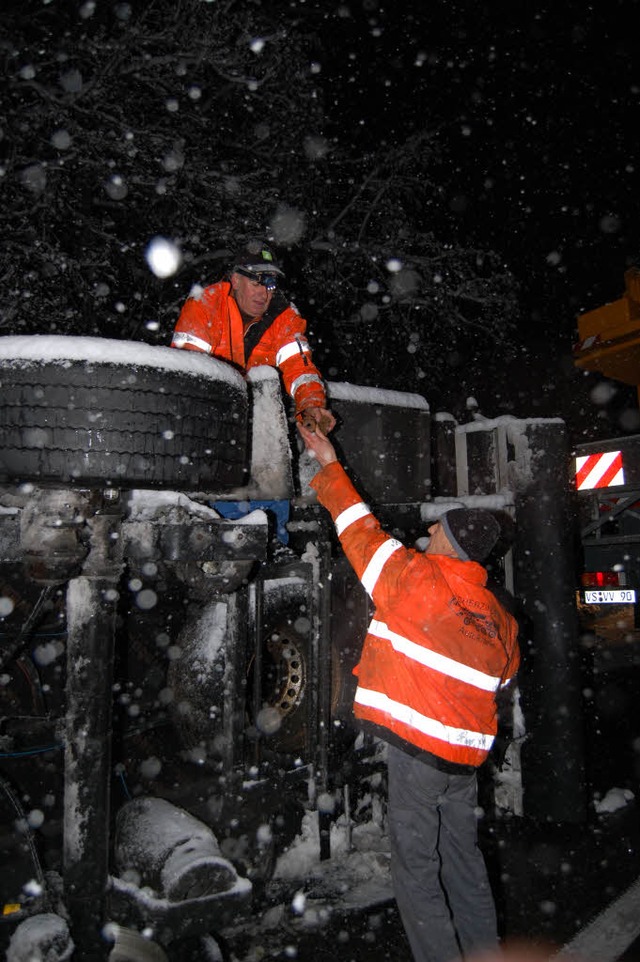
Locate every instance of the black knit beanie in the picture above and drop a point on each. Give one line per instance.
(473, 532)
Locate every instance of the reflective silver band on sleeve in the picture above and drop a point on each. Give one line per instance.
(372, 572)
(304, 379)
(349, 515)
(181, 339)
(299, 346)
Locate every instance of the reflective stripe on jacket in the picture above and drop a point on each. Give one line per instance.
(440, 644)
(211, 322)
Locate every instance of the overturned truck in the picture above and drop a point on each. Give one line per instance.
(178, 628)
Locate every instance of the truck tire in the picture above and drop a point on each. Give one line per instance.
(165, 418)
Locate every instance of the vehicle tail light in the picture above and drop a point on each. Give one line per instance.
(601, 579)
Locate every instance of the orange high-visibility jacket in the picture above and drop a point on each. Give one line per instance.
(211, 322)
(440, 645)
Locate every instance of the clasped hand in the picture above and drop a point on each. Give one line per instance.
(318, 445)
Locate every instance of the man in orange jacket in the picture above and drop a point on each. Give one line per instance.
(248, 321)
(438, 650)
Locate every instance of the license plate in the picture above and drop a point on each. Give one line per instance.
(610, 596)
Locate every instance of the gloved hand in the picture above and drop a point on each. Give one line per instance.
(317, 417)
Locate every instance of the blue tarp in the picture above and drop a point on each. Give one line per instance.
(239, 509)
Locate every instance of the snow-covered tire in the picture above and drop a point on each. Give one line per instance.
(93, 411)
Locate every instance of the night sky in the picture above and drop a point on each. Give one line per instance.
(539, 113)
(536, 108)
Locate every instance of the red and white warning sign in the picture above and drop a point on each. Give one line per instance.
(602, 470)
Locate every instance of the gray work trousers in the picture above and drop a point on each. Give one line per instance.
(439, 875)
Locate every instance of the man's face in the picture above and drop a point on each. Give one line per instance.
(439, 543)
(251, 296)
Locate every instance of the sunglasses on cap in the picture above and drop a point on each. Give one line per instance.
(270, 281)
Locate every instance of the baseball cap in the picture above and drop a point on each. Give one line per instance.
(256, 258)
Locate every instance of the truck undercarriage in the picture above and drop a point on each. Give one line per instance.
(176, 659)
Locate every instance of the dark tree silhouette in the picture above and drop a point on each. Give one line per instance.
(203, 123)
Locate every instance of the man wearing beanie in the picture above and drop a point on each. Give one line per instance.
(438, 650)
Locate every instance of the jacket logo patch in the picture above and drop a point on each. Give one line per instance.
(474, 623)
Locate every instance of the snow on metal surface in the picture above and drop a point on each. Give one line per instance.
(507, 420)
(342, 391)
(45, 933)
(164, 847)
(166, 506)
(432, 510)
(241, 886)
(270, 442)
(174, 507)
(82, 611)
(209, 634)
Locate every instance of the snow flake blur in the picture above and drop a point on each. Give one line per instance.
(163, 257)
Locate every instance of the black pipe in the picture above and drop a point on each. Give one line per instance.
(553, 755)
(91, 621)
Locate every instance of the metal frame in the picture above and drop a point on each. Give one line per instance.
(622, 500)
